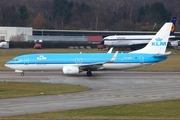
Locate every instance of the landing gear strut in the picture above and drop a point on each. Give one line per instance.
(89, 73)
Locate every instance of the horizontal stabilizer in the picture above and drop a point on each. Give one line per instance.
(162, 55)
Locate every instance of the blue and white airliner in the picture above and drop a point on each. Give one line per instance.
(153, 52)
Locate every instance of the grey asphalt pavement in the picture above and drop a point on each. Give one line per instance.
(107, 88)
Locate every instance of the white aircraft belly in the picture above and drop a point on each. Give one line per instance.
(45, 66)
(123, 66)
(36, 66)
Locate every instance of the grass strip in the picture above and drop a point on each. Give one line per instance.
(152, 110)
(23, 89)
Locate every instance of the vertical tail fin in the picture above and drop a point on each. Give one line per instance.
(158, 43)
(173, 20)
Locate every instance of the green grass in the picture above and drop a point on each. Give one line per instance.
(152, 110)
(21, 89)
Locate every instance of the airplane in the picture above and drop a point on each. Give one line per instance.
(74, 63)
(134, 41)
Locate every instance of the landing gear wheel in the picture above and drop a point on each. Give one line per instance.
(89, 73)
(22, 74)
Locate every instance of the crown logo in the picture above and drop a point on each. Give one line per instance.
(158, 39)
(41, 57)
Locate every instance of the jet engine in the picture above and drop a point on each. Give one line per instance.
(174, 43)
(70, 70)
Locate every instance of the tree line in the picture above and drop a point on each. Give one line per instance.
(84, 15)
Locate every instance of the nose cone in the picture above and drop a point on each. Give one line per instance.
(7, 64)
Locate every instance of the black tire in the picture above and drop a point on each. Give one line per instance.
(89, 73)
(22, 74)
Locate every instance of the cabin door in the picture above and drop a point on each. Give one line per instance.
(26, 60)
(141, 60)
(78, 61)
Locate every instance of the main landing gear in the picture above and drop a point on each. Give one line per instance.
(20, 71)
(89, 73)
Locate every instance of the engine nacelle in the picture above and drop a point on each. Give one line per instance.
(174, 43)
(70, 70)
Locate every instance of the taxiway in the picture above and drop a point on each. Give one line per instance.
(107, 88)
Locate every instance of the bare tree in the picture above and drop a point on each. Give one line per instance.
(17, 38)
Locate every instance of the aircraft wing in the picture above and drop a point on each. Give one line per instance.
(174, 38)
(93, 66)
(98, 65)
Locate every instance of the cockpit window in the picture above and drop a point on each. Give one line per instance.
(15, 59)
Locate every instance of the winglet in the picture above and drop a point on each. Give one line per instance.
(110, 50)
(113, 58)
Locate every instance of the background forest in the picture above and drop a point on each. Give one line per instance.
(89, 14)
